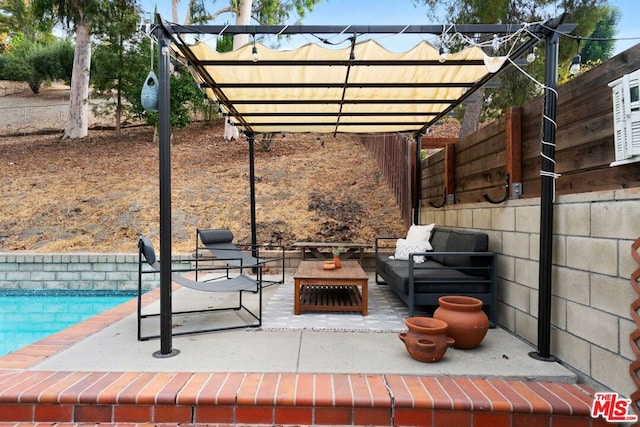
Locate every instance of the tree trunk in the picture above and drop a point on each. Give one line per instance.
(174, 10)
(78, 121)
(119, 86)
(243, 17)
(119, 107)
(472, 113)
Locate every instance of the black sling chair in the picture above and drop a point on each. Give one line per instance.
(219, 244)
(239, 283)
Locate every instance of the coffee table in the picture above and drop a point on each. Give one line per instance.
(342, 289)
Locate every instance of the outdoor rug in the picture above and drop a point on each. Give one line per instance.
(386, 313)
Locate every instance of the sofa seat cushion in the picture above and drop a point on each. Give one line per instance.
(434, 279)
(385, 263)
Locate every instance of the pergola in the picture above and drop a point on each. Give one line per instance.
(362, 88)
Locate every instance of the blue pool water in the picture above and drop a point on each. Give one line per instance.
(28, 316)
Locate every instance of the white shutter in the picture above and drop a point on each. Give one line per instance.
(633, 119)
(626, 118)
(619, 121)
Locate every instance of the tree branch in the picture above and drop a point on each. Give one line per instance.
(212, 16)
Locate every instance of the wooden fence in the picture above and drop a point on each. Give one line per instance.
(467, 169)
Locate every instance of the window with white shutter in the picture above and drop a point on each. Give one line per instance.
(626, 118)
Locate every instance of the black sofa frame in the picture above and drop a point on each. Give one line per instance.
(470, 273)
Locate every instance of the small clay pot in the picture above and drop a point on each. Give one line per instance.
(327, 265)
(337, 262)
(426, 340)
(466, 321)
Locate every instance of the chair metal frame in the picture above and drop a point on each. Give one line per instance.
(235, 254)
(226, 283)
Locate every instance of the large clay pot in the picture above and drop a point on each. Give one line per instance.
(467, 323)
(425, 340)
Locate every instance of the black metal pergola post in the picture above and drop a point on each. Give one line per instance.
(252, 189)
(418, 178)
(164, 133)
(547, 183)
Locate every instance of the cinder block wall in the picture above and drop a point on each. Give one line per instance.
(592, 265)
(97, 271)
(73, 271)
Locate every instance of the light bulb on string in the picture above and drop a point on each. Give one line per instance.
(254, 51)
(575, 65)
(443, 54)
(531, 56)
(575, 62)
(495, 43)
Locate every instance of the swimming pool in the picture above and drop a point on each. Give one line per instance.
(28, 316)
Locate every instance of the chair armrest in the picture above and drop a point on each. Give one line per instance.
(488, 266)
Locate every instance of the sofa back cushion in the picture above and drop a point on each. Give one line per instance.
(439, 238)
(450, 240)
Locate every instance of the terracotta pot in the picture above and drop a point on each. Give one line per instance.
(426, 340)
(328, 265)
(467, 323)
(337, 262)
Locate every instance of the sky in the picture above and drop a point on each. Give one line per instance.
(398, 12)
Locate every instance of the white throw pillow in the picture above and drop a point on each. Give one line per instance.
(420, 232)
(405, 247)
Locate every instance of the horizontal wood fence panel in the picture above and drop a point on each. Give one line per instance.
(594, 155)
(467, 152)
(598, 179)
(586, 131)
(482, 160)
(433, 177)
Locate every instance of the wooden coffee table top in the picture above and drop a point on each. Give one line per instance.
(350, 270)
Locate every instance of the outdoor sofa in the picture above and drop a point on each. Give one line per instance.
(458, 264)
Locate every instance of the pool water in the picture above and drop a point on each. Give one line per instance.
(28, 316)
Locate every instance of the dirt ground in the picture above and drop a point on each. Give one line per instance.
(100, 193)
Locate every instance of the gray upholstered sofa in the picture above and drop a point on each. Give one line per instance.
(460, 264)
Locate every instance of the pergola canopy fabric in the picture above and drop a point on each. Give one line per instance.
(322, 90)
(362, 88)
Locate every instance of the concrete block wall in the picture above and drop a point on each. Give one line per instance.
(72, 271)
(97, 271)
(592, 264)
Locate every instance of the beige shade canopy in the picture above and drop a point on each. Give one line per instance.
(363, 88)
(333, 94)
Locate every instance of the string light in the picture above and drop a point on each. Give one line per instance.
(531, 56)
(495, 43)
(443, 54)
(575, 65)
(254, 50)
(575, 62)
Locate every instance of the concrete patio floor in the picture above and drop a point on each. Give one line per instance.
(115, 348)
(97, 372)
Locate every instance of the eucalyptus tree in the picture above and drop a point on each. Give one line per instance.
(76, 16)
